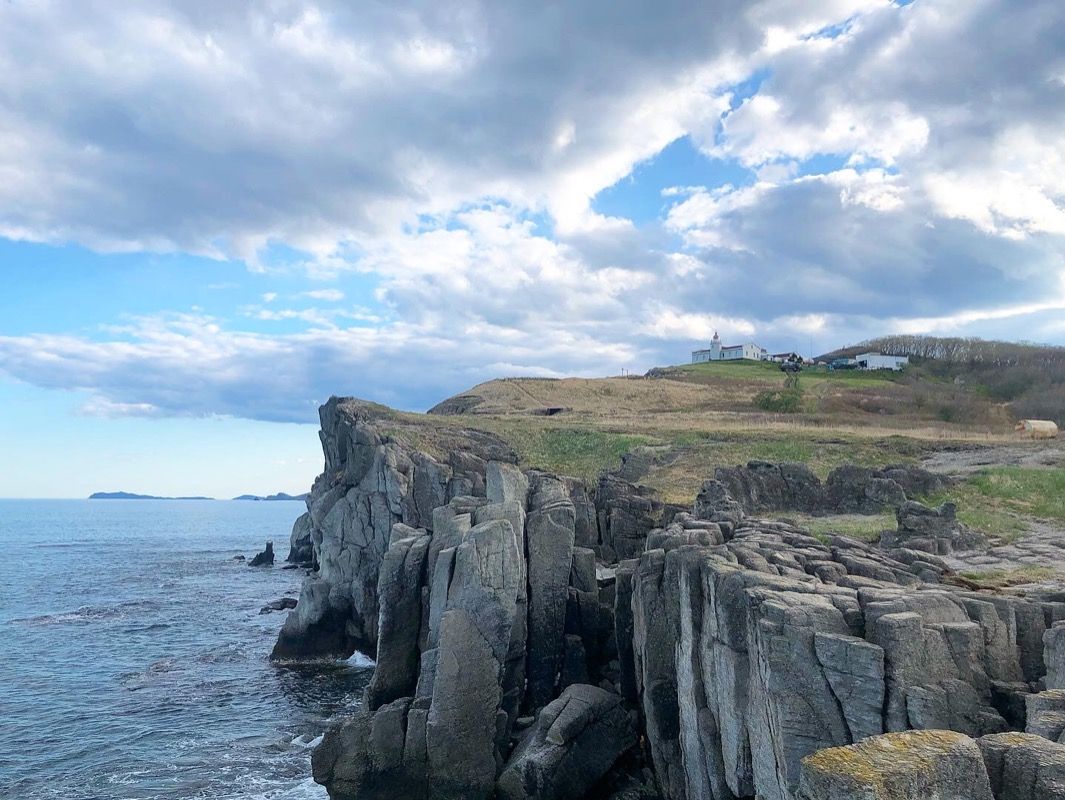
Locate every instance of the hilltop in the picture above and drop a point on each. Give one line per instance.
(669, 429)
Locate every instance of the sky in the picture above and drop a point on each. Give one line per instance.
(213, 216)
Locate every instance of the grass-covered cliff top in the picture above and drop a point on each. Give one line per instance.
(678, 423)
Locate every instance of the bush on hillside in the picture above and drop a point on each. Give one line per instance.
(780, 401)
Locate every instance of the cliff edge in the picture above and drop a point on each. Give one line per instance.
(536, 637)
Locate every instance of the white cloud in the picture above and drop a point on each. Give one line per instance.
(891, 166)
(329, 295)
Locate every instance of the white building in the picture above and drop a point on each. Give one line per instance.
(731, 352)
(878, 361)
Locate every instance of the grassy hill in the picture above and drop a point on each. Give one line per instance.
(733, 389)
(673, 426)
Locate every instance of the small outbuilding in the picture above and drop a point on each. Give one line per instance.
(1037, 429)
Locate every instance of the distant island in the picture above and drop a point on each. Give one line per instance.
(131, 496)
(278, 496)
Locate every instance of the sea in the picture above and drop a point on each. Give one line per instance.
(134, 662)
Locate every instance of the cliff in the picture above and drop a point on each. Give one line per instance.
(536, 637)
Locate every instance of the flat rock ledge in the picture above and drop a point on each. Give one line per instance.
(538, 638)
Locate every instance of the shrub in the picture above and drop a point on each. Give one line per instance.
(780, 401)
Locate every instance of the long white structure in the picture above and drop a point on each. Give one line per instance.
(732, 352)
(879, 361)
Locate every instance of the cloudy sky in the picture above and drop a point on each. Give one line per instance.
(215, 215)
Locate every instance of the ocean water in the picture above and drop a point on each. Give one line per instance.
(134, 661)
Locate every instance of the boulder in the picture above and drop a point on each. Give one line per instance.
(715, 504)
(576, 739)
(913, 765)
(762, 486)
(301, 542)
(934, 530)
(280, 604)
(1022, 766)
(852, 489)
(1045, 714)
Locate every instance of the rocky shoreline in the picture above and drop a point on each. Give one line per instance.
(539, 638)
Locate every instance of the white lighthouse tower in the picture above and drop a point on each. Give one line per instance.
(715, 348)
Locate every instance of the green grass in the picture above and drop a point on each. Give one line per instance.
(1034, 492)
(856, 526)
(821, 451)
(1002, 578)
(578, 452)
(997, 500)
(781, 401)
(767, 370)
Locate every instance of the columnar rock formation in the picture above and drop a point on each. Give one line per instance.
(537, 639)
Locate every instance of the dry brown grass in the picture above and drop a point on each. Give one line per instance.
(697, 419)
(606, 397)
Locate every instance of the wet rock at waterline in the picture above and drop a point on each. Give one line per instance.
(265, 558)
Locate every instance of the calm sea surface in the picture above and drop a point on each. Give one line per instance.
(133, 658)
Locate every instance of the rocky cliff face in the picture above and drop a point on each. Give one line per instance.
(722, 657)
(370, 484)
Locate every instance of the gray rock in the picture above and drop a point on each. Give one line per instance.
(265, 558)
(762, 486)
(317, 626)
(362, 758)
(859, 490)
(655, 601)
(400, 624)
(575, 740)
(474, 642)
(1045, 714)
(714, 503)
(921, 527)
(627, 513)
(912, 765)
(1054, 656)
(280, 604)
(793, 711)
(301, 543)
(1024, 767)
(586, 518)
(505, 483)
(855, 671)
(550, 532)
(369, 484)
